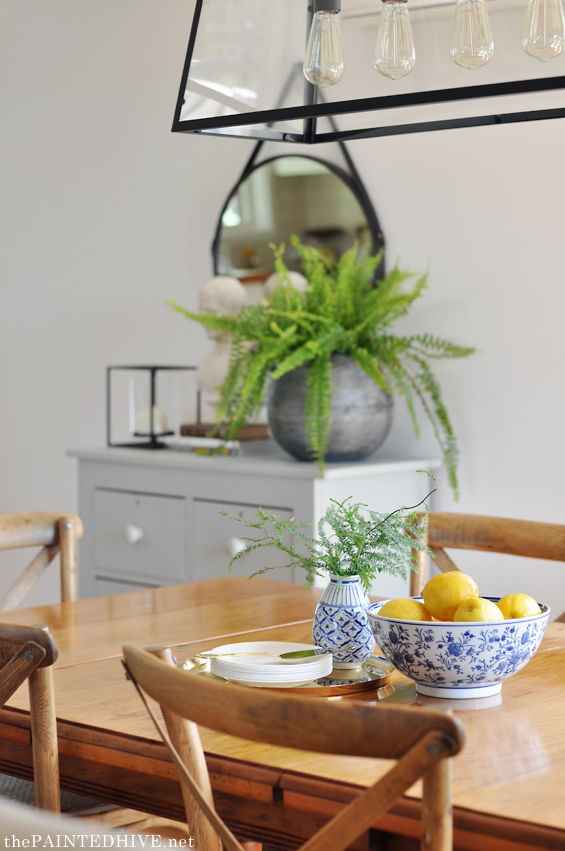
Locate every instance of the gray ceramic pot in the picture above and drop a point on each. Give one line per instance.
(361, 412)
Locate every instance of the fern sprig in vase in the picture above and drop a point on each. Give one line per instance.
(353, 547)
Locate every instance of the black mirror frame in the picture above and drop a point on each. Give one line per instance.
(351, 179)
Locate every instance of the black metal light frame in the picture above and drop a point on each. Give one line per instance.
(228, 125)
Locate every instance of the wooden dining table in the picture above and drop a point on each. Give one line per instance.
(508, 782)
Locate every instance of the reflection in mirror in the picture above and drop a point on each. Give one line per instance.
(290, 195)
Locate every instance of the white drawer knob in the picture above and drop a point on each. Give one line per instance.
(235, 546)
(133, 534)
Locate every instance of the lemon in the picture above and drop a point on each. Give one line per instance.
(518, 606)
(405, 609)
(478, 609)
(444, 593)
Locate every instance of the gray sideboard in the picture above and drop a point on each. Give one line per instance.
(153, 517)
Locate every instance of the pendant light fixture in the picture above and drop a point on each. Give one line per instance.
(274, 69)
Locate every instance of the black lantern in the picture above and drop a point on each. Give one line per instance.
(273, 69)
(145, 404)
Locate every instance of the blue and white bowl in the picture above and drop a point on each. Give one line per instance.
(458, 660)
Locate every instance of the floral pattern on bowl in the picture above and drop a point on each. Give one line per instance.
(458, 659)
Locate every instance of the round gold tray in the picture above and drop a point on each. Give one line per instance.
(372, 674)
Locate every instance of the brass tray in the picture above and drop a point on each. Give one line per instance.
(372, 674)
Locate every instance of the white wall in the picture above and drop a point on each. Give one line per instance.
(104, 213)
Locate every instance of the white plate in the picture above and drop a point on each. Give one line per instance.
(265, 674)
(272, 684)
(276, 647)
(264, 670)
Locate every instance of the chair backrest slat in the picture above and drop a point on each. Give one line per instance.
(57, 533)
(25, 582)
(25, 660)
(442, 560)
(497, 534)
(12, 637)
(33, 529)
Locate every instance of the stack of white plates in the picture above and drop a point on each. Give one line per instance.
(265, 670)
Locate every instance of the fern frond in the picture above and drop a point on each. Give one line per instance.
(209, 320)
(370, 366)
(434, 347)
(317, 408)
(297, 358)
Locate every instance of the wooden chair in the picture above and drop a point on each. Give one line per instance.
(27, 652)
(418, 740)
(490, 534)
(56, 533)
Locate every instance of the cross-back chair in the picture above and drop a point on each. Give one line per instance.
(56, 533)
(528, 538)
(419, 741)
(28, 652)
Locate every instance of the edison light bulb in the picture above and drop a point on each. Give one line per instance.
(324, 64)
(395, 55)
(471, 38)
(543, 34)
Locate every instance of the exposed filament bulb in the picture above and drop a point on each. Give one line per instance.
(472, 44)
(543, 34)
(324, 64)
(395, 55)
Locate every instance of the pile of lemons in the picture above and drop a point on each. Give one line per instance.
(454, 596)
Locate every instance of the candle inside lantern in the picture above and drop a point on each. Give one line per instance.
(143, 421)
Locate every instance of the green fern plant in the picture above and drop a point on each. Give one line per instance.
(352, 541)
(341, 312)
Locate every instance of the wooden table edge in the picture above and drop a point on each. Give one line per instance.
(244, 788)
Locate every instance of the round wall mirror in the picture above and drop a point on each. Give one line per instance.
(321, 203)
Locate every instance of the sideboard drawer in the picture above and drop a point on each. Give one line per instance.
(212, 534)
(140, 535)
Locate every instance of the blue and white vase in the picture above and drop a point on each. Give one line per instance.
(341, 624)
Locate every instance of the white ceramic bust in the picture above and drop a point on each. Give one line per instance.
(223, 296)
